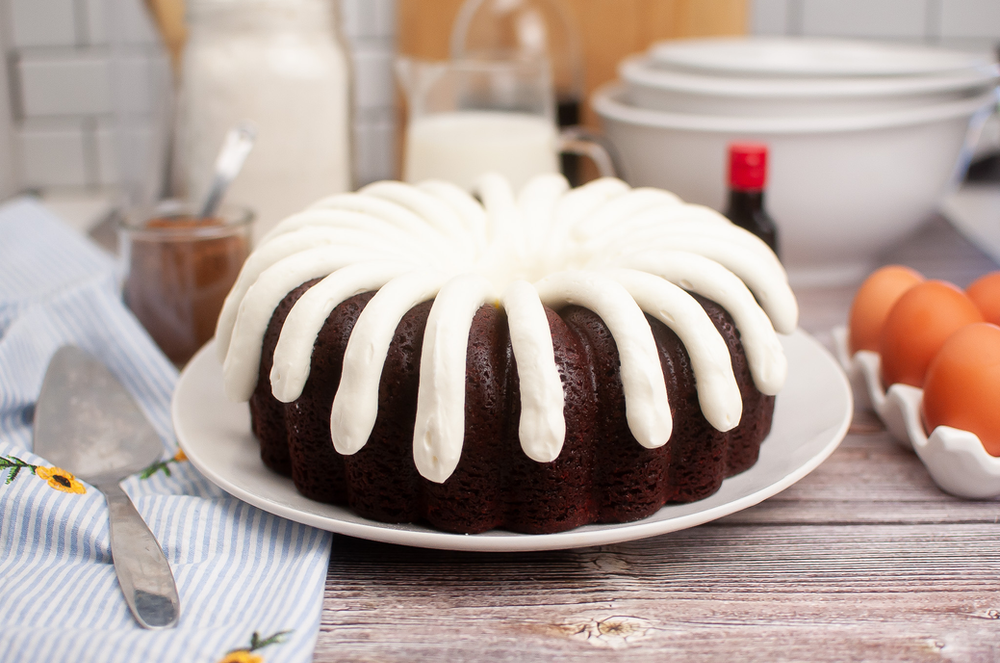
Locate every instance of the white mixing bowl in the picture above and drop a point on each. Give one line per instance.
(648, 86)
(841, 189)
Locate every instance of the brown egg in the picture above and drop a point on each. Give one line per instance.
(962, 388)
(918, 325)
(985, 292)
(872, 303)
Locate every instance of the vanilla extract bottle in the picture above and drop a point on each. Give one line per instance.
(747, 182)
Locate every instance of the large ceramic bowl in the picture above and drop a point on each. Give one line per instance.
(648, 86)
(842, 189)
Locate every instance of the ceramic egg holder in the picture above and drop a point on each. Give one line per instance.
(955, 459)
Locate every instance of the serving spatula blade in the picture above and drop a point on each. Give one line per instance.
(88, 424)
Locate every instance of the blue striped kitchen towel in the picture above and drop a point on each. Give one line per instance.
(250, 583)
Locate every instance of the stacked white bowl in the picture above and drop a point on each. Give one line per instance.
(865, 138)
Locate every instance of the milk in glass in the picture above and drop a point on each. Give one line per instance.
(460, 146)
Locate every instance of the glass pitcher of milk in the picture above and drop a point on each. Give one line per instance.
(469, 117)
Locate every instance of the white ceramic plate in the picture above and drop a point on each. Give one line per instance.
(811, 416)
(809, 57)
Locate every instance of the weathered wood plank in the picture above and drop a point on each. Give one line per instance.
(821, 593)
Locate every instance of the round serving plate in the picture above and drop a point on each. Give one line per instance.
(811, 417)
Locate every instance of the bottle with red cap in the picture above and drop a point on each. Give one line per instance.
(747, 180)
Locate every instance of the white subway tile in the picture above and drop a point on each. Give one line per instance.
(130, 18)
(72, 84)
(137, 149)
(52, 157)
(107, 155)
(368, 18)
(970, 18)
(374, 85)
(96, 20)
(140, 84)
(374, 152)
(769, 17)
(985, 46)
(893, 19)
(43, 23)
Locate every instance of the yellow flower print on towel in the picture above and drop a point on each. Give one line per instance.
(60, 479)
(241, 656)
(56, 477)
(247, 655)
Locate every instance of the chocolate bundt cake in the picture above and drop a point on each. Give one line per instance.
(533, 362)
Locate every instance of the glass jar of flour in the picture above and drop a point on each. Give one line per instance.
(281, 65)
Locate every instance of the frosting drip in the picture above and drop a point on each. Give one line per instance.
(620, 252)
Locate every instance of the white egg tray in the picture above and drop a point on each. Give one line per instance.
(955, 459)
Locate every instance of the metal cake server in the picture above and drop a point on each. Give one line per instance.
(87, 424)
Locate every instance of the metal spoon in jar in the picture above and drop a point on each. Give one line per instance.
(235, 148)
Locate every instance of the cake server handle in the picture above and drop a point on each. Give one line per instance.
(141, 566)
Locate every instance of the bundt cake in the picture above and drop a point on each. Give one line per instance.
(533, 361)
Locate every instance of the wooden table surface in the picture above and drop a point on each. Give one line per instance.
(864, 559)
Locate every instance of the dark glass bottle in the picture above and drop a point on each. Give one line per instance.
(747, 181)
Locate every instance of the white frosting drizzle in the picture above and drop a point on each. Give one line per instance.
(537, 202)
(574, 206)
(773, 293)
(542, 426)
(718, 393)
(768, 364)
(646, 407)
(440, 424)
(265, 256)
(472, 214)
(617, 211)
(434, 211)
(293, 352)
(355, 407)
(404, 219)
(614, 250)
(243, 359)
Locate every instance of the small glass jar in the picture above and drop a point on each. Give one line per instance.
(179, 269)
(281, 65)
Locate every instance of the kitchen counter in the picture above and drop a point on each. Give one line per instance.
(863, 559)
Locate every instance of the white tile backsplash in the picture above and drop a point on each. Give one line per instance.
(369, 29)
(53, 156)
(374, 84)
(73, 82)
(966, 24)
(970, 18)
(985, 45)
(64, 83)
(134, 78)
(43, 23)
(769, 17)
(133, 20)
(374, 151)
(129, 17)
(135, 146)
(367, 18)
(891, 19)
(95, 21)
(107, 155)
